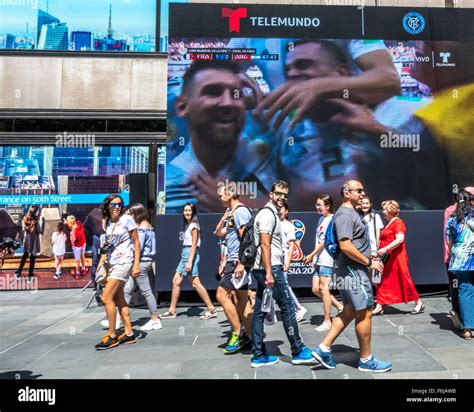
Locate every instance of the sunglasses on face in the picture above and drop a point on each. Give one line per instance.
(360, 191)
(280, 194)
(114, 205)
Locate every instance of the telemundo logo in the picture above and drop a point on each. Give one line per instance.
(413, 22)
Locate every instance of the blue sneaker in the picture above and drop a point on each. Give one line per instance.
(303, 356)
(264, 361)
(324, 358)
(375, 365)
(234, 344)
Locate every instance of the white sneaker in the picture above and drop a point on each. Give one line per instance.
(105, 323)
(152, 325)
(323, 327)
(300, 313)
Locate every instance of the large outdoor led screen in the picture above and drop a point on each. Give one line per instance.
(316, 96)
(86, 25)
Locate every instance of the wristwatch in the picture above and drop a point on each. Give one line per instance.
(370, 262)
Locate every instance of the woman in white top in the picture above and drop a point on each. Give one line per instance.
(374, 224)
(120, 249)
(323, 262)
(188, 265)
(59, 248)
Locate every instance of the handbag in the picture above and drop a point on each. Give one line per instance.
(102, 272)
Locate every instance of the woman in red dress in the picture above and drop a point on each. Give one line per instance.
(397, 285)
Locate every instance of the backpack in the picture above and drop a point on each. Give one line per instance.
(330, 242)
(248, 247)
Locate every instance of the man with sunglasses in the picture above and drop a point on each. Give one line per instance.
(351, 266)
(268, 272)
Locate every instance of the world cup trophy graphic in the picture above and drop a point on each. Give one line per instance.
(300, 230)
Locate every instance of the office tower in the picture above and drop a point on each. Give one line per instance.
(53, 36)
(108, 43)
(81, 40)
(43, 18)
(21, 152)
(9, 41)
(73, 161)
(139, 159)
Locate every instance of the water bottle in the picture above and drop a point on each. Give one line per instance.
(376, 277)
(267, 300)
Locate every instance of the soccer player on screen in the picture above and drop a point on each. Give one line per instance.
(213, 105)
(317, 155)
(378, 81)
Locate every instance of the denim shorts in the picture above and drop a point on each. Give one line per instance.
(322, 271)
(184, 259)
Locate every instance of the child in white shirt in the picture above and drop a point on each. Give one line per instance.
(59, 248)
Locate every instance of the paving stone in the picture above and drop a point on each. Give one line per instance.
(47, 342)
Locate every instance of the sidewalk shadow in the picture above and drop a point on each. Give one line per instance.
(391, 310)
(344, 355)
(443, 321)
(191, 312)
(316, 320)
(19, 375)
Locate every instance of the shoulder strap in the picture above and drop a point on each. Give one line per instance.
(375, 231)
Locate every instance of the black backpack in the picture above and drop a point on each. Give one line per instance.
(248, 248)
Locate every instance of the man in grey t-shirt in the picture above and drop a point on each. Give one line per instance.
(352, 266)
(268, 272)
(235, 279)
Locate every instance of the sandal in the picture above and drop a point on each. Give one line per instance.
(467, 334)
(208, 314)
(376, 312)
(418, 309)
(168, 315)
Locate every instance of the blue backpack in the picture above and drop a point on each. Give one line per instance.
(330, 242)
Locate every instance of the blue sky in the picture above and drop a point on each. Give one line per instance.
(128, 16)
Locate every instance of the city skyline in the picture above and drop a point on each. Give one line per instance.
(62, 161)
(130, 20)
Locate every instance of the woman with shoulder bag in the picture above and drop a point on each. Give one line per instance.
(397, 285)
(120, 259)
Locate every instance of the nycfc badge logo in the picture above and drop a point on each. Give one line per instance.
(414, 23)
